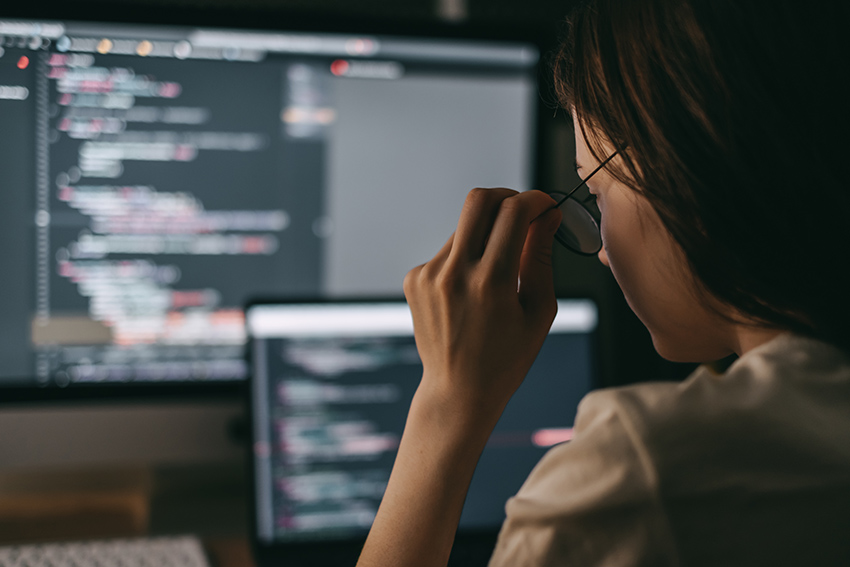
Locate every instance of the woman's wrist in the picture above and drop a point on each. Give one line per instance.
(437, 457)
(463, 416)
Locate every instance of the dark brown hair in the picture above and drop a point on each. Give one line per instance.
(733, 121)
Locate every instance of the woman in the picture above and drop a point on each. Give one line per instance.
(725, 209)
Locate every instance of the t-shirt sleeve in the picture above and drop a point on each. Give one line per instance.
(590, 502)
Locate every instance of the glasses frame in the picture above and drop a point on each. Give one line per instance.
(569, 195)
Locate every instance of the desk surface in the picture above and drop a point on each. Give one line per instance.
(209, 501)
(229, 552)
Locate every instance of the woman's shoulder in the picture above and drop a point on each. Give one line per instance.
(747, 462)
(780, 413)
(751, 465)
(787, 375)
(786, 402)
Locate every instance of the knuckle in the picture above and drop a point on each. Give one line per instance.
(410, 279)
(513, 206)
(478, 196)
(427, 272)
(448, 283)
(538, 195)
(488, 198)
(529, 203)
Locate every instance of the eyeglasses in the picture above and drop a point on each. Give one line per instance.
(579, 230)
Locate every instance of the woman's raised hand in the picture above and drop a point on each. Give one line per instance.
(481, 309)
(484, 304)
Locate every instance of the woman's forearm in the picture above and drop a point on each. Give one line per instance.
(419, 514)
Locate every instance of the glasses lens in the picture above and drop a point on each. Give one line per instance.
(579, 231)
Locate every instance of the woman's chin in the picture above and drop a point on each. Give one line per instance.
(680, 349)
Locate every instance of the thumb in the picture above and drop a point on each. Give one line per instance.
(537, 288)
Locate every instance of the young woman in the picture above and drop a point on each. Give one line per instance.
(716, 132)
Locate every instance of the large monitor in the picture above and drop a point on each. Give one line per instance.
(155, 178)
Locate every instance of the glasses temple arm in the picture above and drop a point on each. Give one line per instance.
(583, 181)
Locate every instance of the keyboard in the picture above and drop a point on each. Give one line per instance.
(182, 551)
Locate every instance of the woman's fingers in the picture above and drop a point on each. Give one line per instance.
(476, 221)
(537, 286)
(503, 235)
(511, 228)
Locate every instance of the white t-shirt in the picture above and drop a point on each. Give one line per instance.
(751, 467)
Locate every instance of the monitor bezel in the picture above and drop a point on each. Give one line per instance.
(23, 390)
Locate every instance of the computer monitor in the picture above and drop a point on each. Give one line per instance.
(157, 177)
(332, 384)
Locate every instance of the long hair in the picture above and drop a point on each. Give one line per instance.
(734, 123)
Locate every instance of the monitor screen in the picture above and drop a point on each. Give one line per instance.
(332, 384)
(156, 178)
